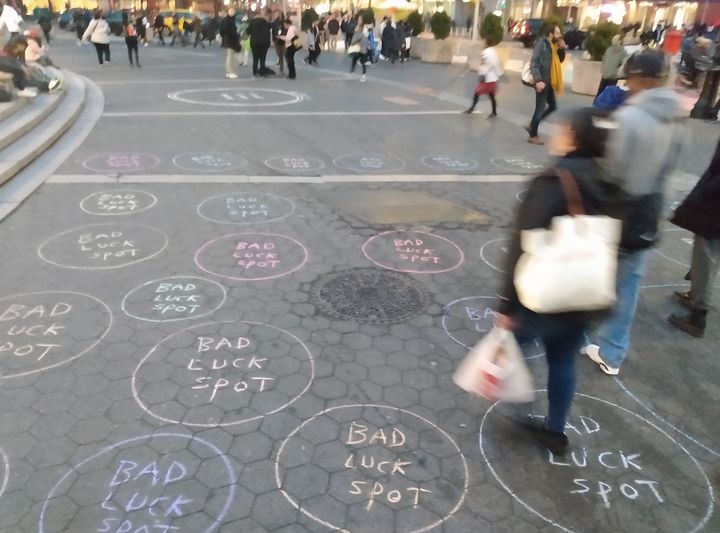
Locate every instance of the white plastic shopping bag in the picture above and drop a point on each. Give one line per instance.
(495, 369)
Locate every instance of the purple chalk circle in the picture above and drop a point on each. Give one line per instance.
(121, 162)
(156, 482)
(221, 374)
(117, 202)
(47, 329)
(209, 161)
(413, 252)
(244, 208)
(251, 256)
(103, 246)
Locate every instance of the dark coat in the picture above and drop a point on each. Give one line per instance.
(699, 212)
(260, 30)
(229, 34)
(388, 38)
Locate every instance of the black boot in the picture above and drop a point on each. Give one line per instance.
(557, 443)
(692, 324)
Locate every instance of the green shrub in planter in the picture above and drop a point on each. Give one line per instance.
(549, 23)
(307, 18)
(440, 25)
(492, 29)
(600, 39)
(416, 23)
(368, 15)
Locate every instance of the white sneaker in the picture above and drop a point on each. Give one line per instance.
(54, 85)
(28, 92)
(231, 76)
(363, 78)
(593, 352)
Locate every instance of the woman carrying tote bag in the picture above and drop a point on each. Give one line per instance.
(578, 141)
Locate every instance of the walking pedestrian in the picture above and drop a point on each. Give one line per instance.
(131, 42)
(348, 29)
(98, 33)
(278, 29)
(312, 38)
(358, 49)
(333, 29)
(488, 75)
(578, 141)
(698, 214)
(79, 25)
(230, 42)
(260, 34)
(611, 62)
(290, 38)
(321, 33)
(646, 125)
(197, 28)
(141, 23)
(389, 42)
(176, 32)
(546, 68)
(45, 23)
(159, 28)
(10, 19)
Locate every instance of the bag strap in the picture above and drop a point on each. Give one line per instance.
(571, 190)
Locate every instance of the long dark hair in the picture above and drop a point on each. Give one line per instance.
(591, 128)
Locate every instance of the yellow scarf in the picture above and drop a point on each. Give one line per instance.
(556, 73)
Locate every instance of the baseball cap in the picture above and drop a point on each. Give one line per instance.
(647, 64)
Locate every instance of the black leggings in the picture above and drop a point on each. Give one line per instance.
(355, 58)
(132, 46)
(476, 97)
(102, 49)
(259, 54)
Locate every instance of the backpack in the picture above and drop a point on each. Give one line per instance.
(131, 31)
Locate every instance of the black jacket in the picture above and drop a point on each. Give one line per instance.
(259, 30)
(229, 34)
(545, 200)
(700, 211)
(388, 38)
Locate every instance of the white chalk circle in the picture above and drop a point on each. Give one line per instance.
(121, 163)
(381, 465)
(46, 329)
(251, 256)
(171, 482)
(295, 163)
(5, 465)
(238, 97)
(118, 202)
(369, 162)
(669, 241)
(174, 298)
(103, 246)
(614, 470)
(222, 374)
(520, 163)
(209, 161)
(449, 163)
(413, 252)
(245, 208)
(494, 252)
(467, 320)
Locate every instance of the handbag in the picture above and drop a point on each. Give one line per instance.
(573, 265)
(527, 76)
(495, 369)
(353, 49)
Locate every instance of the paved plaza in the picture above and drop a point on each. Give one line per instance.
(236, 307)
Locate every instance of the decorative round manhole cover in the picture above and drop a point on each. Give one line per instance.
(368, 295)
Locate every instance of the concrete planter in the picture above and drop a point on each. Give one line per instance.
(586, 76)
(437, 51)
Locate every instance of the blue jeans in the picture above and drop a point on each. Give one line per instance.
(613, 336)
(562, 340)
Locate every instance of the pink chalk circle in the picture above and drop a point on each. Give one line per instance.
(251, 256)
(121, 162)
(413, 252)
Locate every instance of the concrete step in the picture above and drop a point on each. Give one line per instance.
(29, 116)
(8, 109)
(49, 119)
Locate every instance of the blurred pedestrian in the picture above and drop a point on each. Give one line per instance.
(290, 38)
(98, 32)
(489, 73)
(197, 28)
(358, 49)
(312, 37)
(10, 19)
(260, 34)
(131, 42)
(546, 67)
(278, 29)
(176, 32)
(698, 214)
(333, 29)
(230, 42)
(612, 60)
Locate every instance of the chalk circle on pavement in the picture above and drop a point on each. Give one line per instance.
(238, 97)
(467, 320)
(156, 482)
(222, 374)
(413, 252)
(369, 162)
(450, 163)
(295, 163)
(352, 467)
(494, 253)
(251, 256)
(46, 329)
(209, 161)
(522, 164)
(103, 246)
(121, 162)
(174, 298)
(620, 465)
(117, 202)
(672, 241)
(243, 208)
(5, 467)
